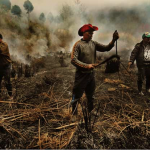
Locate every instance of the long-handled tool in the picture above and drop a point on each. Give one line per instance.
(108, 59)
(113, 62)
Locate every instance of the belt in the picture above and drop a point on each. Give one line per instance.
(147, 64)
(87, 71)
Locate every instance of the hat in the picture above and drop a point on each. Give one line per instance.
(85, 28)
(146, 34)
(1, 37)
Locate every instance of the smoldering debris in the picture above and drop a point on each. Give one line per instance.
(39, 102)
(39, 116)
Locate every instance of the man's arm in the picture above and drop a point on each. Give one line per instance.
(4, 48)
(0, 49)
(103, 48)
(134, 54)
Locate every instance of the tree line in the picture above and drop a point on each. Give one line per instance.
(16, 10)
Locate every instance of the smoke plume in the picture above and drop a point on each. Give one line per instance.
(29, 36)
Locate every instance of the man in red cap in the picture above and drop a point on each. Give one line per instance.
(83, 57)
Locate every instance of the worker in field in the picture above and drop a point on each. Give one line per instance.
(5, 66)
(141, 53)
(62, 60)
(83, 57)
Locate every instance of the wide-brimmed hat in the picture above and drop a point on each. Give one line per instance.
(85, 28)
(146, 34)
(1, 37)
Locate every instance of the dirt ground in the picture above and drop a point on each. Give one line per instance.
(39, 117)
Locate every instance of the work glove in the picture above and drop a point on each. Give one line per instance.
(115, 35)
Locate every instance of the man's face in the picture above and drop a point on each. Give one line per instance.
(87, 36)
(146, 40)
(0, 40)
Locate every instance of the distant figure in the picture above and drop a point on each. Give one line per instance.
(27, 71)
(5, 67)
(13, 72)
(61, 60)
(20, 70)
(141, 53)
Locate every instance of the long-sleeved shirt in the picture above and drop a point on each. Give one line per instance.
(138, 54)
(84, 53)
(4, 54)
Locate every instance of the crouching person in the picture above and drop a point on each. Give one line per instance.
(5, 66)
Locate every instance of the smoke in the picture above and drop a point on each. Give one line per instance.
(60, 31)
(130, 22)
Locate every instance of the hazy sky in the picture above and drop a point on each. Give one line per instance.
(53, 6)
(128, 35)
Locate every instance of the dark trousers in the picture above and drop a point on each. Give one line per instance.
(143, 72)
(6, 73)
(84, 82)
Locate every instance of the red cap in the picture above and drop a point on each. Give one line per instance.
(85, 28)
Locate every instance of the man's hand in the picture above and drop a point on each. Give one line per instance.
(129, 65)
(91, 66)
(115, 36)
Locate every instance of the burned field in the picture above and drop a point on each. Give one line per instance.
(39, 117)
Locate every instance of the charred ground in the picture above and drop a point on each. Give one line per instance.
(39, 116)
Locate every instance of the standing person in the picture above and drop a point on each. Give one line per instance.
(61, 59)
(5, 66)
(141, 53)
(83, 57)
